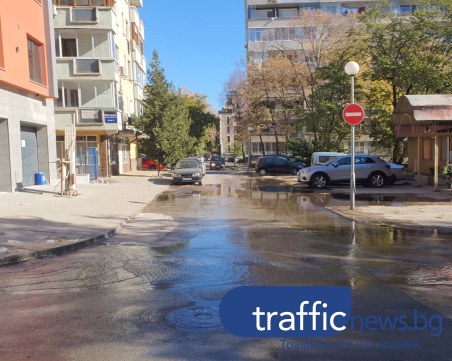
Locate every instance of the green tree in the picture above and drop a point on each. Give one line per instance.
(402, 55)
(204, 124)
(172, 135)
(323, 121)
(165, 118)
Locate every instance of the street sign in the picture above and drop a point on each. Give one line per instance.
(353, 114)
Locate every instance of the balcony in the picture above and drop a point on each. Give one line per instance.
(138, 92)
(136, 19)
(76, 17)
(137, 3)
(100, 69)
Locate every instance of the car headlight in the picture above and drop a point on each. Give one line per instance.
(196, 175)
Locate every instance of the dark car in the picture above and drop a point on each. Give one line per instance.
(277, 164)
(217, 162)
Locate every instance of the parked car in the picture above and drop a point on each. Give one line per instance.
(217, 162)
(369, 170)
(187, 170)
(318, 158)
(398, 173)
(201, 163)
(289, 158)
(277, 165)
(150, 164)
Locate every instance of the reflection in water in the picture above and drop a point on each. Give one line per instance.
(236, 235)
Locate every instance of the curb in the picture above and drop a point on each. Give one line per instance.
(56, 251)
(381, 223)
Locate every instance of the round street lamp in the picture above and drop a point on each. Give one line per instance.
(352, 68)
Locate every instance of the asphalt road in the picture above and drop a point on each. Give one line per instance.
(152, 292)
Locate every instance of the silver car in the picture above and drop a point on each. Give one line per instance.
(369, 170)
(398, 173)
(201, 163)
(187, 170)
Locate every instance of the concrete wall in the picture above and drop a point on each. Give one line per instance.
(18, 109)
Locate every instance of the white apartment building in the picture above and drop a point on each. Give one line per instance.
(271, 26)
(227, 129)
(100, 72)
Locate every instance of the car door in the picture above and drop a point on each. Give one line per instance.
(340, 172)
(362, 166)
(280, 165)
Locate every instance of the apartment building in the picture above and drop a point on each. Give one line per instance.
(100, 72)
(276, 25)
(27, 92)
(227, 129)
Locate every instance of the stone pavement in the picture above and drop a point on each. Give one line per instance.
(38, 222)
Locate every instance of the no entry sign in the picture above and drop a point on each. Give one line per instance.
(353, 114)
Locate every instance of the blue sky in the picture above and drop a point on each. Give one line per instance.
(199, 41)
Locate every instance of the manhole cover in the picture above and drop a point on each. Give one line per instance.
(204, 316)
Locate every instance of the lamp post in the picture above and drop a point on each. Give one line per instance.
(249, 148)
(352, 68)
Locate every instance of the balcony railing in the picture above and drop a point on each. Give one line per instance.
(86, 66)
(76, 3)
(84, 15)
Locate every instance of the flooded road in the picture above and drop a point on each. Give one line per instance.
(153, 291)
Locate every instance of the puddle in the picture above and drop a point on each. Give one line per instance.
(203, 316)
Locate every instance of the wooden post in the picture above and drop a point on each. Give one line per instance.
(63, 176)
(418, 161)
(435, 188)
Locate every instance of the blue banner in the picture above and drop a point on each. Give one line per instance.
(286, 311)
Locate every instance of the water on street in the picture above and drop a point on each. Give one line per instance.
(153, 291)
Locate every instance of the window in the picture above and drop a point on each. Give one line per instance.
(289, 13)
(344, 161)
(86, 66)
(69, 48)
(275, 34)
(228, 139)
(260, 14)
(84, 15)
(228, 130)
(35, 54)
(67, 97)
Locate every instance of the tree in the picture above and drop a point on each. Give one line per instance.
(165, 118)
(173, 139)
(402, 55)
(203, 121)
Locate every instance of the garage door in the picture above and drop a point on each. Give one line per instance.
(29, 146)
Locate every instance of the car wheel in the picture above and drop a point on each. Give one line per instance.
(377, 179)
(262, 172)
(174, 182)
(200, 183)
(319, 181)
(294, 171)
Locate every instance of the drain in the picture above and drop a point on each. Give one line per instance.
(203, 316)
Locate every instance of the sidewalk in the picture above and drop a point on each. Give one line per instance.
(38, 222)
(411, 207)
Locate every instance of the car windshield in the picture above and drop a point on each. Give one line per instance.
(187, 164)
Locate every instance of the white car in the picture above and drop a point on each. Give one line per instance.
(369, 170)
